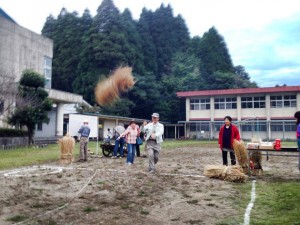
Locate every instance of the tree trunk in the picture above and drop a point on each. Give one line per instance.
(30, 136)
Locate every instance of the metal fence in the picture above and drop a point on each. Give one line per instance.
(252, 128)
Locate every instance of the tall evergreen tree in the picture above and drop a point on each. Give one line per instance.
(214, 55)
(67, 38)
(185, 76)
(168, 40)
(148, 45)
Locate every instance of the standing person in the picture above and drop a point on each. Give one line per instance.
(227, 134)
(109, 135)
(297, 117)
(153, 132)
(138, 152)
(131, 134)
(84, 132)
(142, 135)
(119, 143)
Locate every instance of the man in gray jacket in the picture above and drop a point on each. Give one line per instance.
(84, 132)
(154, 132)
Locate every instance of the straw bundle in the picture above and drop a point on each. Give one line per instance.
(240, 152)
(67, 144)
(256, 158)
(228, 173)
(110, 89)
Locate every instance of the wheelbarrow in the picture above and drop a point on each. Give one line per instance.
(108, 149)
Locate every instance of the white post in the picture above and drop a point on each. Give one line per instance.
(59, 119)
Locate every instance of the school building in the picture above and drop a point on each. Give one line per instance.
(266, 113)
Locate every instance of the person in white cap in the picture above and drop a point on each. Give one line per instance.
(84, 132)
(153, 136)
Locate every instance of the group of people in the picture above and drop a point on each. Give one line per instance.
(151, 133)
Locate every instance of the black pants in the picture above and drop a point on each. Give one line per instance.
(232, 157)
(138, 152)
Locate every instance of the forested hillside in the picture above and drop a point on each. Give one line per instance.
(164, 58)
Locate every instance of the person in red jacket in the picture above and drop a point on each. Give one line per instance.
(227, 134)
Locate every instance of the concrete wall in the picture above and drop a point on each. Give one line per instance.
(8, 142)
(22, 49)
(48, 130)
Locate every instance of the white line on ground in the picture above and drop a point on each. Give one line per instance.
(46, 170)
(250, 205)
(65, 205)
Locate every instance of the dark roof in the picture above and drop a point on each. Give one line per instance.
(239, 91)
(6, 16)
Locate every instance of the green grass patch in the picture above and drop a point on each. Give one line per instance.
(277, 203)
(239, 201)
(17, 218)
(89, 209)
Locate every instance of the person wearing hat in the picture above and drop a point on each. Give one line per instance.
(153, 136)
(119, 143)
(84, 132)
(131, 133)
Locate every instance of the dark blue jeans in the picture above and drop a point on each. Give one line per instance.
(298, 141)
(131, 153)
(119, 147)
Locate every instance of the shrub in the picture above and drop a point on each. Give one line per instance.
(5, 132)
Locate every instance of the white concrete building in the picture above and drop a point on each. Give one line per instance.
(266, 113)
(22, 49)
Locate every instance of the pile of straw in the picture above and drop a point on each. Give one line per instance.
(108, 90)
(67, 144)
(240, 152)
(228, 173)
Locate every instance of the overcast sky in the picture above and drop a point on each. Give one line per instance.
(261, 35)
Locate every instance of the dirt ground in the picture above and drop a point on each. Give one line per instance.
(108, 191)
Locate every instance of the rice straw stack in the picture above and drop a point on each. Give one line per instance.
(228, 173)
(67, 144)
(108, 90)
(240, 152)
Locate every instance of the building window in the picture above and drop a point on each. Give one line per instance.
(225, 103)
(254, 126)
(200, 104)
(283, 101)
(283, 126)
(40, 126)
(199, 127)
(217, 125)
(253, 102)
(48, 71)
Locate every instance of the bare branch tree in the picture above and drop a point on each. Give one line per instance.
(8, 92)
(11, 97)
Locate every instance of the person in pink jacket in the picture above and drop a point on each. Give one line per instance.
(131, 133)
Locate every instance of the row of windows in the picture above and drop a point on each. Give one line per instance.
(246, 102)
(288, 126)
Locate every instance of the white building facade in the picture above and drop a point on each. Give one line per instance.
(22, 49)
(266, 113)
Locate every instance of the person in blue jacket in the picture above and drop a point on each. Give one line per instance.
(84, 132)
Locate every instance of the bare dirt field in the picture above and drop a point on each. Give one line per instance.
(108, 191)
